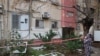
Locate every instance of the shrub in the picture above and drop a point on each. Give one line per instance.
(73, 45)
(47, 37)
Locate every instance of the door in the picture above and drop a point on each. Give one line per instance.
(24, 22)
(24, 26)
(66, 31)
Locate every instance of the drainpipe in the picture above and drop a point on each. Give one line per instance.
(30, 16)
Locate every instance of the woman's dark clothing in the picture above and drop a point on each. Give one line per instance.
(87, 45)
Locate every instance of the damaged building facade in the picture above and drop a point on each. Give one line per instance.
(37, 16)
(29, 17)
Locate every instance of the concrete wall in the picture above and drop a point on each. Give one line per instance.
(21, 7)
(68, 13)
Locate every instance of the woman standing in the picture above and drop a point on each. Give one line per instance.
(87, 44)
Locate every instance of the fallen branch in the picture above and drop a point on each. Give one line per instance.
(42, 43)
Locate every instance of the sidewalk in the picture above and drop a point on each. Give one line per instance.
(96, 51)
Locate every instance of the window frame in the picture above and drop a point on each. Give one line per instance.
(55, 24)
(39, 25)
(69, 14)
(18, 25)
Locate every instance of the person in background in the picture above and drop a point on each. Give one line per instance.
(87, 44)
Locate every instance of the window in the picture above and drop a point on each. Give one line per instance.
(70, 14)
(0, 26)
(15, 21)
(54, 24)
(39, 23)
(1, 9)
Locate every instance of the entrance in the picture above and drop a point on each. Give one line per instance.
(66, 31)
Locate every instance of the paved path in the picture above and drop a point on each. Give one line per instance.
(96, 51)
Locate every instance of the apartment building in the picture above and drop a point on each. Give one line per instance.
(68, 17)
(97, 21)
(38, 16)
(31, 16)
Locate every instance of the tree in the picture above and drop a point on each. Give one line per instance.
(88, 21)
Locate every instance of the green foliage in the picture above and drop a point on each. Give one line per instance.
(16, 40)
(20, 48)
(50, 34)
(73, 45)
(30, 41)
(31, 52)
(48, 47)
(47, 37)
(71, 35)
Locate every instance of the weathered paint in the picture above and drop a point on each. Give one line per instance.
(68, 21)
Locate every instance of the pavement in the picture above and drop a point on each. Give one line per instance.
(96, 51)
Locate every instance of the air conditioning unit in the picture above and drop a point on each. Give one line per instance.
(1, 9)
(45, 15)
(55, 2)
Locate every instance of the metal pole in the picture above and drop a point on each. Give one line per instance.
(30, 16)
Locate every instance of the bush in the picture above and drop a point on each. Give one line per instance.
(47, 37)
(71, 35)
(72, 46)
(31, 51)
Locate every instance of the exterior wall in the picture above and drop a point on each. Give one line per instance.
(97, 15)
(55, 15)
(4, 20)
(68, 13)
(21, 7)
